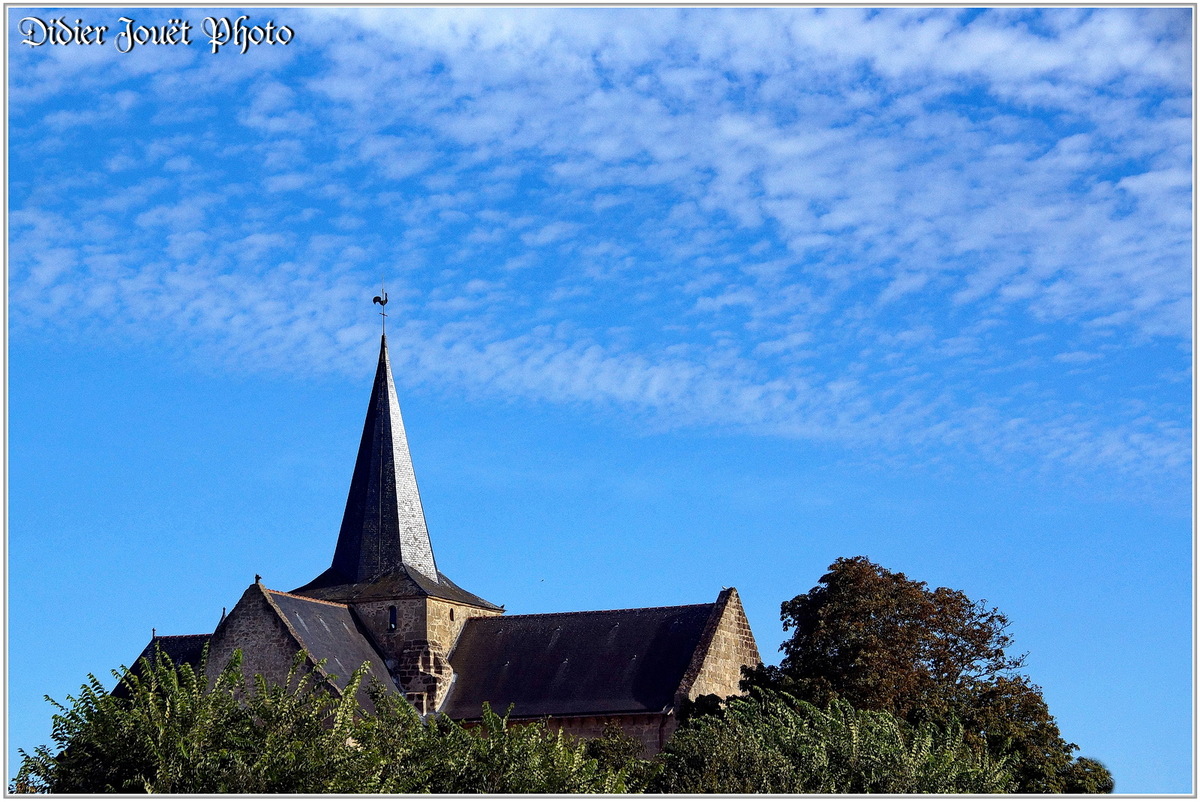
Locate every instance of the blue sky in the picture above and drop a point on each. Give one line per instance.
(680, 299)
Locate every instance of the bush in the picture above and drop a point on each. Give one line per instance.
(773, 743)
(167, 731)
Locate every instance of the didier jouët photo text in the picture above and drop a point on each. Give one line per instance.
(240, 33)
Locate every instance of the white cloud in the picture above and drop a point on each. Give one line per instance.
(552, 232)
(287, 182)
(796, 216)
(1076, 357)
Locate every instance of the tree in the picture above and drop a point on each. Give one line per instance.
(1088, 776)
(617, 751)
(881, 641)
(442, 756)
(168, 730)
(771, 742)
(158, 735)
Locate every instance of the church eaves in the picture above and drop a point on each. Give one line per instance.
(383, 528)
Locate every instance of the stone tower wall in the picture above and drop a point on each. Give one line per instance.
(446, 619)
(375, 617)
(417, 651)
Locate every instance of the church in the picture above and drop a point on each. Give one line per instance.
(385, 603)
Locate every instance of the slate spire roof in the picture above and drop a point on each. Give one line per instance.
(383, 528)
(383, 549)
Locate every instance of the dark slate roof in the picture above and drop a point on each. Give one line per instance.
(563, 664)
(383, 549)
(384, 524)
(398, 584)
(180, 648)
(330, 633)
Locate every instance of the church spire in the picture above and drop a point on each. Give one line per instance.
(383, 528)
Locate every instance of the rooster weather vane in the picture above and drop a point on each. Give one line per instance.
(382, 301)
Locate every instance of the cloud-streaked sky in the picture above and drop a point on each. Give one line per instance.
(908, 229)
(918, 239)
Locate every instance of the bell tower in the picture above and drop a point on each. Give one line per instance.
(383, 565)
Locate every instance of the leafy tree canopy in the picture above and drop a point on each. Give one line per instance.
(169, 731)
(881, 641)
(771, 742)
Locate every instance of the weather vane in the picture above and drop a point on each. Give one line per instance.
(382, 301)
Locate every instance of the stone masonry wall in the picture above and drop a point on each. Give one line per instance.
(424, 673)
(375, 617)
(651, 729)
(730, 645)
(446, 619)
(416, 651)
(268, 647)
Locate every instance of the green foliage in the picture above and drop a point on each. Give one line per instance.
(883, 642)
(614, 748)
(1087, 776)
(1010, 714)
(773, 743)
(618, 752)
(169, 731)
(299, 735)
(407, 755)
(166, 732)
(498, 758)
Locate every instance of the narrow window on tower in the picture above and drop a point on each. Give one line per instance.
(451, 613)
(392, 618)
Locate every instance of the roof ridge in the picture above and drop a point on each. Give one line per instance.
(197, 635)
(306, 598)
(593, 612)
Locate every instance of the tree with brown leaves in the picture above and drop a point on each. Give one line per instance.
(881, 641)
